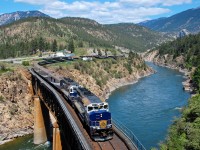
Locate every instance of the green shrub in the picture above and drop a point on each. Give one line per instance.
(128, 67)
(1, 98)
(77, 66)
(98, 82)
(25, 63)
(2, 67)
(118, 75)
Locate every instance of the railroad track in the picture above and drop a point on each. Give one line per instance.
(114, 144)
(107, 145)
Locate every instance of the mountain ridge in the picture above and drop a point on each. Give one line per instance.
(14, 16)
(188, 19)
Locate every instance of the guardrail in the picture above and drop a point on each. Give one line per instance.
(128, 133)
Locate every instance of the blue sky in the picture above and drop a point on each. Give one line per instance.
(103, 11)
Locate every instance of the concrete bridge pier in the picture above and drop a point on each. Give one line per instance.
(40, 134)
(56, 138)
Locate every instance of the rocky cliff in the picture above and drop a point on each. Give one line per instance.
(166, 60)
(169, 61)
(16, 117)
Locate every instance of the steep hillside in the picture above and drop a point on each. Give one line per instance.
(12, 17)
(188, 20)
(89, 31)
(135, 37)
(184, 51)
(126, 35)
(24, 37)
(28, 35)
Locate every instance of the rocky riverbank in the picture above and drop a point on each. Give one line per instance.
(173, 63)
(113, 84)
(16, 116)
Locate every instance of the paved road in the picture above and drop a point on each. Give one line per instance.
(22, 58)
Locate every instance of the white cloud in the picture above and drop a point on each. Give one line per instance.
(55, 13)
(175, 2)
(142, 2)
(106, 12)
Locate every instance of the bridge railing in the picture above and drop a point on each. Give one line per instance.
(120, 126)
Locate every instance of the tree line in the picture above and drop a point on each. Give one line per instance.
(25, 48)
(188, 46)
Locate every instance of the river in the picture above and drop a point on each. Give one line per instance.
(147, 108)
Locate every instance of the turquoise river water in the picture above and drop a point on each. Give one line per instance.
(147, 108)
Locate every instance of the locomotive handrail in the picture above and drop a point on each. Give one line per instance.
(77, 131)
(130, 135)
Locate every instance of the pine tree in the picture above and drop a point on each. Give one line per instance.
(71, 46)
(54, 46)
(34, 46)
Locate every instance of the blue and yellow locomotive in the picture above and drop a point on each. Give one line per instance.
(92, 111)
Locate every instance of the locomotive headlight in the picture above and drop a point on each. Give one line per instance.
(101, 115)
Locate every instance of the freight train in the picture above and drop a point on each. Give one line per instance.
(93, 113)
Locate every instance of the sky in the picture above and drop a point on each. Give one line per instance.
(103, 11)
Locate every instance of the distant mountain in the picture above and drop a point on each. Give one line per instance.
(27, 35)
(11, 17)
(149, 23)
(189, 20)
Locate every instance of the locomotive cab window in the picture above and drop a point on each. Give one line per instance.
(96, 107)
(90, 108)
(105, 106)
